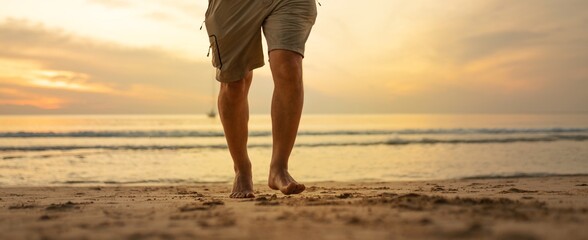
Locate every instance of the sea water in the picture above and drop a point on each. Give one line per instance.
(184, 149)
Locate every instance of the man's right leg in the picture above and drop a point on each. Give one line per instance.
(234, 114)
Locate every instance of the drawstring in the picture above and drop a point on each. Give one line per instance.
(319, 3)
(209, 47)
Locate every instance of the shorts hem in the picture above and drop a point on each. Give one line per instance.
(293, 49)
(240, 76)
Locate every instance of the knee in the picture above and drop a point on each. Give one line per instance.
(291, 80)
(235, 90)
(286, 68)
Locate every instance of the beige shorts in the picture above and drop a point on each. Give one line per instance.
(234, 30)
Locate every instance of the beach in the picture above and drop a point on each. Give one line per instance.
(554, 207)
(367, 177)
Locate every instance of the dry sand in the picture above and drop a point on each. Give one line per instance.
(521, 208)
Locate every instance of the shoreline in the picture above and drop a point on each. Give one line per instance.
(179, 182)
(552, 207)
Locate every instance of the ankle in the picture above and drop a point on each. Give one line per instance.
(242, 168)
(278, 168)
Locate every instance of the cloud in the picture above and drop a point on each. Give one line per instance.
(69, 67)
(17, 97)
(168, 11)
(112, 3)
(188, 15)
(386, 56)
(467, 56)
(486, 44)
(160, 16)
(193, 9)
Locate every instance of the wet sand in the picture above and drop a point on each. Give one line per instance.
(516, 208)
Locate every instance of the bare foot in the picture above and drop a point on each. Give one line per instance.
(242, 186)
(281, 180)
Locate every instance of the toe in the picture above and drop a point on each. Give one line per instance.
(250, 195)
(294, 188)
(300, 188)
(297, 189)
(289, 189)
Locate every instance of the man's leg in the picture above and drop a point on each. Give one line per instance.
(234, 114)
(286, 110)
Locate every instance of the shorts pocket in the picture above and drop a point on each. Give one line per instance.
(216, 54)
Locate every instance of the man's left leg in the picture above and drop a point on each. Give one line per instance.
(287, 102)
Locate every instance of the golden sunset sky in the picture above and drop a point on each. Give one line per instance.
(376, 56)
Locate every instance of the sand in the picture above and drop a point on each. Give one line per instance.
(515, 208)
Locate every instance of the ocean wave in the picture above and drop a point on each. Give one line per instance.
(190, 133)
(143, 181)
(176, 181)
(546, 138)
(112, 134)
(522, 175)
(391, 142)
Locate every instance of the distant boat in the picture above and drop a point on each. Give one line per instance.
(211, 114)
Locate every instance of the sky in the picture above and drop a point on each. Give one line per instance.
(377, 56)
